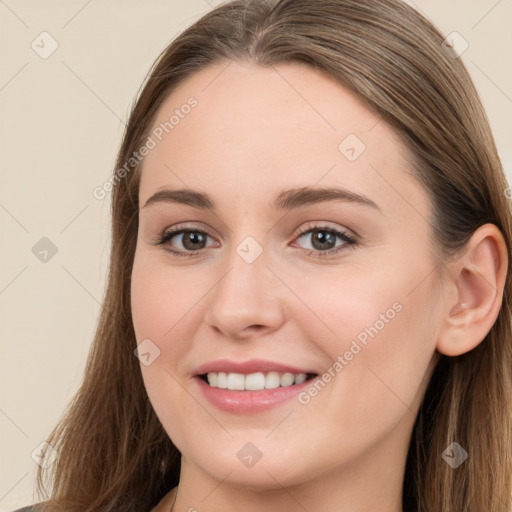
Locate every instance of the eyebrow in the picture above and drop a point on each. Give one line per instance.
(286, 200)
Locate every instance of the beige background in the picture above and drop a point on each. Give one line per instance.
(61, 122)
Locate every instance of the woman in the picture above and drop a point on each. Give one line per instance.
(310, 263)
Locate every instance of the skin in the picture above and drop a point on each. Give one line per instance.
(254, 133)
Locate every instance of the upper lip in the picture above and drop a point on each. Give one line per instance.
(247, 367)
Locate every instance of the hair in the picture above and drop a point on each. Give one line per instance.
(113, 453)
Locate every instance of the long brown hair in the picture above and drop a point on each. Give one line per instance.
(113, 452)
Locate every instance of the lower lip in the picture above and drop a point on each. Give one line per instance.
(250, 402)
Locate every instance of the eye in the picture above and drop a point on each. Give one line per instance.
(191, 240)
(323, 240)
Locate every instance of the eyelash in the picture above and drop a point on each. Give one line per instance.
(167, 236)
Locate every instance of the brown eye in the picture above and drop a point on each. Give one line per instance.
(323, 240)
(192, 240)
(187, 242)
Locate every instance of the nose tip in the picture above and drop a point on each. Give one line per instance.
(246, 301)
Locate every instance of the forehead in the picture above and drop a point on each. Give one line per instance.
(270, 128)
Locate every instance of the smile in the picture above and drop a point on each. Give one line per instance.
(254, 381)
(252, 386)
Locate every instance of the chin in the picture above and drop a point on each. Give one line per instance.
(240, 463)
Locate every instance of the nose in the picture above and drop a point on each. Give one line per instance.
(248, 300)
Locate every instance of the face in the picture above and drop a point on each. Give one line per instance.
(273, 279)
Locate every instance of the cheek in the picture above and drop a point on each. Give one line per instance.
(161, 300)
(380, 342)
(161, 307)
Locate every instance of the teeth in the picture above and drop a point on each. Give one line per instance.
(236, 381)
(222, 380)
(287, 379)
(213, 379)
(272, 380)
(299, 379)
(254, 381)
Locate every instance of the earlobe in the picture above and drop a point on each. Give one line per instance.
(478, 279)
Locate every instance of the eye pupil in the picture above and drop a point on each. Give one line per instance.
(193, 238)
(323, 238)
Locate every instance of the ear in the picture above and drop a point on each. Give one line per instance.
(476, 281)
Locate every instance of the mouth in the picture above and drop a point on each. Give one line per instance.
(254, 381)
(252, 386)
